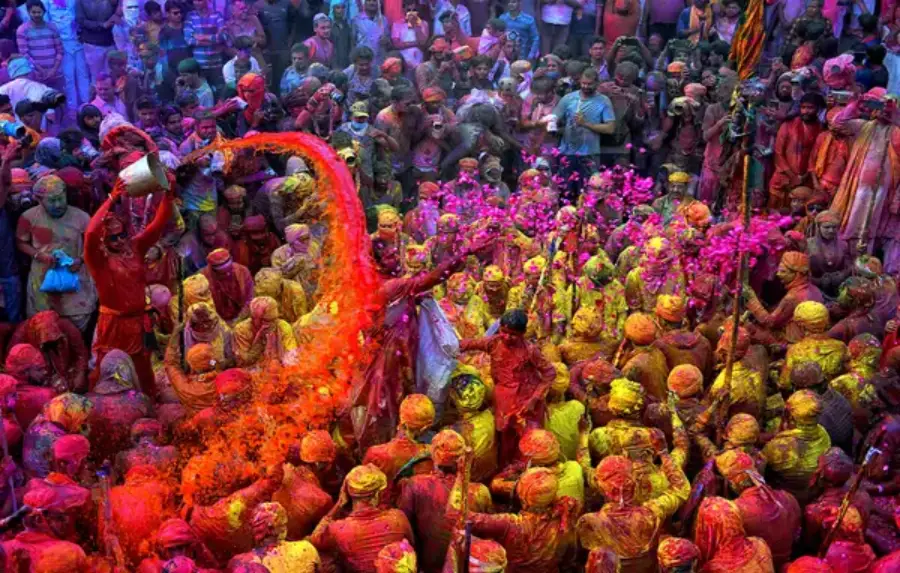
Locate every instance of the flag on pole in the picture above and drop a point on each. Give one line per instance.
(747, 45)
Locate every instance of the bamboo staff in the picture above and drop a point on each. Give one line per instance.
(845, 503)
(743, 262)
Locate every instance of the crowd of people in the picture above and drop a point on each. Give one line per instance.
(626, 299)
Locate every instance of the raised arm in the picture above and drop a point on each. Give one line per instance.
(151, 235)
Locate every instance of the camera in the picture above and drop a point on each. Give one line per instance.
(348, 156)
(841, 97)
(13, 129)
(53, 98)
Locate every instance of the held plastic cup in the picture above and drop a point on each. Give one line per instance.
(144, 176)
(552, 126)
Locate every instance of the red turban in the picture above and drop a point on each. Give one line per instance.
(398, 557)
(71, 448)
(433, 95)
(7, 385)
(615, 478)
(21, 357)
(146, 427)
(599, 371)
(677, 552)
(486, 556)
(218, 257)
(252, 89)
(232, 382)
(175, 533)
(255, 224)
(392, 65)
(317, 446)
(540, 446)
(602, 560)
(807, 564)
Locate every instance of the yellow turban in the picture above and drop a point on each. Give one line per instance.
(586, 323)
(470, 396)
(742, 430)
(365, 481)
(598, 267)
(625, 397)
(493, 274)
(804, 406)
(537, 488)
(685, 380)
(196, 289)
(561, 381)
(536, 265)
(812, 316)
(267, 282)
(679, 177)
(297, 183)
(540, 446)
(446, 447)
(657, 246)
(387, 215)
(398, 557)
(640, 329)
(670, 308)
(201, 358)
(416, 412)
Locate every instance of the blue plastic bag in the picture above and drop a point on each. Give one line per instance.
(60, 278)
(436, 357)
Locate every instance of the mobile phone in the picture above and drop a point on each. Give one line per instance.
(841, 97)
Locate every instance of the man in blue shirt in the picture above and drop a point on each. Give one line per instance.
(525, 26)
(585, 115)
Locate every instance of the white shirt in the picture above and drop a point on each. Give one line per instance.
(228, 69)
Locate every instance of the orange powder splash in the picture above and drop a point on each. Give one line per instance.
(293, 400)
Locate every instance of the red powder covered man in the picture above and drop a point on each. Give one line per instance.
(793, 148)
(231, 285)
(399, 557)
(676, 555)
(60, 342)
(46, 527)
(833, 474)
(64, 414)
(849, 551)
(355, 541)
(416, 416)
(770, 514)
(522, 377)
(269, 523)
(724, 547)
(116, 263)
(146, 435)
(252, 89)
(118, 403)
(301, 493)
(138, 508)
(27, 365)
(11, 427)
(424, 500)
(174, 538)
(793, 272)
(255, 247)
(540, 538)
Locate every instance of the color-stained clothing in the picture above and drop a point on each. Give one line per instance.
(772, 515)
(60, 342)
(793, 147)
(480, 433)
(831, 355)
(45, 233)
(649, 367)
(277, 345)
(392, 456)
(424, 501)
(792, 457)
(356, 540)
(232, 294)
(48, 555)
(779, 320)
(284, 557)
(303, 499)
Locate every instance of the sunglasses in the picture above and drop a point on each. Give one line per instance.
(117, 236)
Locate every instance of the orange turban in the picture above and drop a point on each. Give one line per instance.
(695, 91)
(398, 557)
(537, 488)
(599, 371)
(676, 67)
(625, 397)
(742, 430)
(801, 194)
(795, 261)
(697, 214)
(317, 446)
(670, 308)
(615, 478)
(365, 481)
(804, 406)
(468, 163)
(540, 446)
(71, 448)
(677, 552)
(20, 176)
(486, 556)
(201, 358)
(812, 316)
(640, 329)
(685, 380)
(433, 95)
(743, 340)
(427, 187)
(446, 447)
(416, 412)
(807, 564)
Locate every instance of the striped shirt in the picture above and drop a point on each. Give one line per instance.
(206, 35)
(41, 45)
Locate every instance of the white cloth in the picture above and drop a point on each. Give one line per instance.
(228, 70)
(559, 14)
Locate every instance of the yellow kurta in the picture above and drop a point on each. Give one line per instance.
(479, 431)
(612, 306)
(747, 386)
(290, 557)
(562, 422)
(249, 351)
